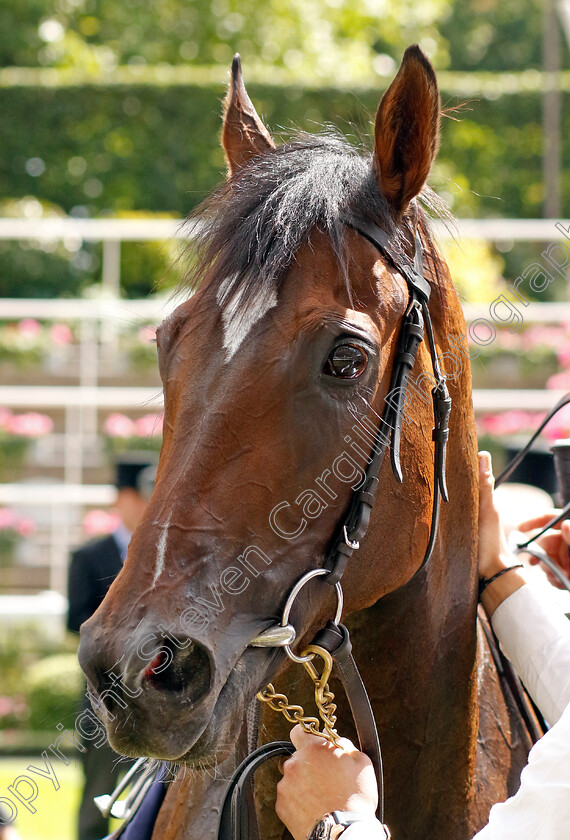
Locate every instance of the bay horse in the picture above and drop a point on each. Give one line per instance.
(294, 321)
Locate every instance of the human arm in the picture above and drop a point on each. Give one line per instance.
(535, 637)
(309, 789)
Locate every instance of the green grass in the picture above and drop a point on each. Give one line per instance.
(55, 817)
(56, 810)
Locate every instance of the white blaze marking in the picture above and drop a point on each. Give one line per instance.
(161, 551)
(238, 319)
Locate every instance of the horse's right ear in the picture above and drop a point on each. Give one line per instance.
(243, 133)
(407, 130)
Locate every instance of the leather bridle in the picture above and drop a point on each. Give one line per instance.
(235, 817)
(417, 320)
(237, 822)
(416, 323)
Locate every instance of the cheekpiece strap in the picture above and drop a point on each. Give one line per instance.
(416, 323)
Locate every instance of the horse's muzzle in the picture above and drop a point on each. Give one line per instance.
(159, 676)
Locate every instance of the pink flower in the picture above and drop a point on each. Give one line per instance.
(31, 424)
(563, 354)
(21, 525)
(149, 426)
(509, 422)
(29, 327)
(559, 426)
(5, 706)
(559, 382)
(60, 334)
(25, 527)
(118, 425)
(7, 519)
(100, 522)
(5, 419)
(147, 334)
(543, 336)
(508, 340)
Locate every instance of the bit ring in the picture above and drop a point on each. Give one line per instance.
(291, 600)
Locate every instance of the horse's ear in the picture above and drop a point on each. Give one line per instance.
(243, 133)
(407, 130)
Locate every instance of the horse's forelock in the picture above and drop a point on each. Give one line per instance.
(252, 227)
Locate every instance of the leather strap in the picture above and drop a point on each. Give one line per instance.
(529, 545)
(235, 816)
(508, 676)
(336, 639)
(416, 322)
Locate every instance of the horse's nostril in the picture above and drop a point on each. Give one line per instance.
(180, 667)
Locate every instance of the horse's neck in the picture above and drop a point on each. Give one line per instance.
(416, 649)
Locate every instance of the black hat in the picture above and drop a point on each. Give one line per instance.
(137, 471)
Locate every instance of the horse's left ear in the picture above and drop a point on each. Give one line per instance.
(407, 130)
(243, 133)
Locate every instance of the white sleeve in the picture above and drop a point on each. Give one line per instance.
(364, 830)
(541, 807)
(537, 641)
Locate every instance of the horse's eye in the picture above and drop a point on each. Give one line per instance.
(346, 361)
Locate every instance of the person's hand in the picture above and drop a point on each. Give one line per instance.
(7, 832)
(555, 542)
(319, 778)
(494, 553)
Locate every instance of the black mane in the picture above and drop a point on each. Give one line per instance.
(250, 229)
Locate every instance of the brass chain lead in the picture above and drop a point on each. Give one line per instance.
(324, 699)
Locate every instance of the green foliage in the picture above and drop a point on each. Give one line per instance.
(121, 149)
(121, 146)
(475, 268)
(53, 687)
(38, 679)
(318, 37)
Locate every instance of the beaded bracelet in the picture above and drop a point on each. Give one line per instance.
(484, 582)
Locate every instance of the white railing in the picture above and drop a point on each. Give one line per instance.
(99, 321)
(112, 232)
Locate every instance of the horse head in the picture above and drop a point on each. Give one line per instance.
(275, 373)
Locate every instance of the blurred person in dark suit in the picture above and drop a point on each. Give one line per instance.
(92, 570)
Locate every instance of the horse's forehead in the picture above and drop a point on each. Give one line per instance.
(364, 284)
(239, 318)
(316, 283)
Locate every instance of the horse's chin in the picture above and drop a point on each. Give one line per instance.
(193, 736)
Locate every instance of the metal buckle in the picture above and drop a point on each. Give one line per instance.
(353, 544)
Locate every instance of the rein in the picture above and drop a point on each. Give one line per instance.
(332, 643)
(530, 546)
